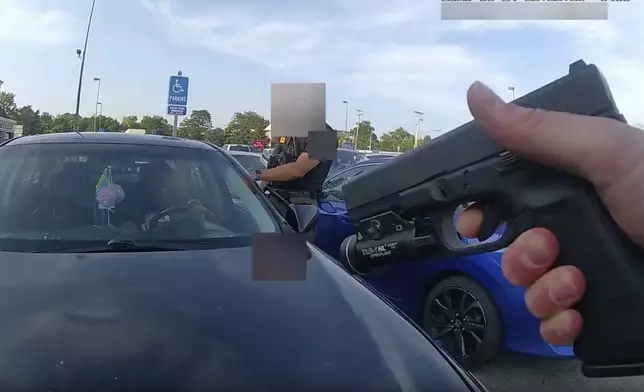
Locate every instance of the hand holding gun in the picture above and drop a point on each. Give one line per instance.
(579, 209)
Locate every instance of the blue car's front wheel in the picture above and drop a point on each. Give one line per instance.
(461, 316)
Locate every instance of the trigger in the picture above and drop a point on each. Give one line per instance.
(490, 223)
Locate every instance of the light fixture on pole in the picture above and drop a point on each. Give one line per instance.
(419, 118)
(1, 83)
(358, 122)
(98, 96)
(511, 88)
(81, 55)
(346, 117)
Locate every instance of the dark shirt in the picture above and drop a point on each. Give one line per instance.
(311, 181)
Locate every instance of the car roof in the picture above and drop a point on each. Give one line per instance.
(374, 160)
(247, 153)
(368, 162)
(109, 138)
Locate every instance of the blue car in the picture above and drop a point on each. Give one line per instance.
(468, 291)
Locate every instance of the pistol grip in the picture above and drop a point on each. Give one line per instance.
(611, 343)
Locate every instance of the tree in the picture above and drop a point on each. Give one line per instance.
(159, 124)
(425, 140)
(86, 124)
(245, 127)
(397, 140)
(197, 126)
(46, 122)
(130, 122)
(216, 136)
(63, 123)
(365, 129)
(8, 107)
(29, 119)
(108, 124)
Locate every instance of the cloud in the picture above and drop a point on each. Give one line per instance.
(344, 51)
(404, 53)
(28, 24)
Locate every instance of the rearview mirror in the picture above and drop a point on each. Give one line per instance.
(302, 217)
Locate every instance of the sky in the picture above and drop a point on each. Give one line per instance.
(387, 58)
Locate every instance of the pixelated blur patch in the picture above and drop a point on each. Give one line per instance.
(280, 257)
(322, 145)
(297, 109)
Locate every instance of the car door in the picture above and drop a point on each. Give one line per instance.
(333, 222)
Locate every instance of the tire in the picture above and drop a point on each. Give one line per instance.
(444, 325)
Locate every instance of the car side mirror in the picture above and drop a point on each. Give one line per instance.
(302, 217)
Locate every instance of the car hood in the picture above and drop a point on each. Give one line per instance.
(200, 321)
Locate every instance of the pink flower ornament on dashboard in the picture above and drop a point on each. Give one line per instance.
(110, 195)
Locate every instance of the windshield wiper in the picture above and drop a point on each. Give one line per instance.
(116, 246)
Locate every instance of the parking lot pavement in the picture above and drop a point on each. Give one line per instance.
(512, 373)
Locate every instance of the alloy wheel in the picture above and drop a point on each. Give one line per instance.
(457, 321)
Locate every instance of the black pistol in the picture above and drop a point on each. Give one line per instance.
(404, 210)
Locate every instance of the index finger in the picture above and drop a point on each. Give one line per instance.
(469, 221)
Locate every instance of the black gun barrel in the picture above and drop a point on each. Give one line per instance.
(583, 91)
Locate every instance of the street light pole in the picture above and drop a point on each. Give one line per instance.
(358, 121)
(419, 118)
(100, 113)
(82, 55)
(511, 88)
(98, 96)
(346, 116)
(1, 83)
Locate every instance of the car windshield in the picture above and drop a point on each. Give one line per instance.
(251, 162)
(239, 148)
(92, 192)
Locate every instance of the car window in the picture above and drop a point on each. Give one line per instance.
(90, 192)
(332, 188)
(346, 158)
(239, 148)
(251, 162)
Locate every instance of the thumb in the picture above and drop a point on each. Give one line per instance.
(596, 148)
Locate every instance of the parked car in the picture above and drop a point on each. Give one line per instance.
(92, 300)
(267, 152)
(425, 289)
(237, 147)
(378, 155)
(345, 158)
(251, 161)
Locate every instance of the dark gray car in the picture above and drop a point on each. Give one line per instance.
(92, 301)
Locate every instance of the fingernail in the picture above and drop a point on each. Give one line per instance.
(563, 333)
(493, 104)
(563, 293)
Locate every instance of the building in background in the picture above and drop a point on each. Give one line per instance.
(7, 128)
(17, 130)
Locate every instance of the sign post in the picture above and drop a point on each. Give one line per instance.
(177, 99)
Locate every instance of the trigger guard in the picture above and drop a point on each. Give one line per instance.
(489, 224)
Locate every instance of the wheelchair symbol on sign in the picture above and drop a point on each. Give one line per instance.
(177, 87)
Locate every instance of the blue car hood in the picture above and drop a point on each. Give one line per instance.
(198, 321)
